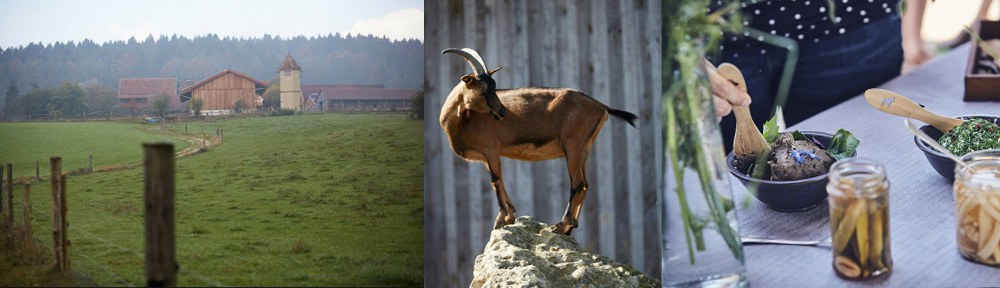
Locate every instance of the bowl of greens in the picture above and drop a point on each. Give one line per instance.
(979, 132)
(793, 175)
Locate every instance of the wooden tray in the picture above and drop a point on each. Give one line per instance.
(982, 87)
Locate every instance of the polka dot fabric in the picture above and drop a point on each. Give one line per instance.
(805, 21)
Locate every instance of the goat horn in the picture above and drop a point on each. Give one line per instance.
(471, 56)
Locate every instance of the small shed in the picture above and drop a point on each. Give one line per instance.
(223, 91)
(139, 93)
(357, 98)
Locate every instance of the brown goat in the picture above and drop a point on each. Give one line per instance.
(531, 124)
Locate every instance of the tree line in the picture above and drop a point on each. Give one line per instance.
(67, 99)
(69, 77)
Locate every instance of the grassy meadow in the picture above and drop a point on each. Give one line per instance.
(317, 200)
(21, 144)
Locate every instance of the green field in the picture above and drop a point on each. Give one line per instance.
(21, 144)
(320, 200)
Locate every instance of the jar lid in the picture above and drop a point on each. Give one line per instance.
(983, 166)
(857, 177)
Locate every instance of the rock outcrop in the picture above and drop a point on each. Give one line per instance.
(528, 254)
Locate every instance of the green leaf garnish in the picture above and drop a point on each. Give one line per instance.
(843, 145)
(799, 136)
(771, 130)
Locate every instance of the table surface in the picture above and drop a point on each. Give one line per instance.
(921, 214)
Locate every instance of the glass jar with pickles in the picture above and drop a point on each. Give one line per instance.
(859, 218)
(977, 207)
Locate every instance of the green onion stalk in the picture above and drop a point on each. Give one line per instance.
(688, 30)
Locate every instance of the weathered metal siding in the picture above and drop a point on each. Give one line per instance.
(608, 49)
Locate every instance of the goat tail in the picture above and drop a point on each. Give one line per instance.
(624, 115)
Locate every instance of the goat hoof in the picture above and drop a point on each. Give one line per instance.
(562, 228)
(500, 223)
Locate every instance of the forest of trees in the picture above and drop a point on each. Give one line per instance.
(59, 72)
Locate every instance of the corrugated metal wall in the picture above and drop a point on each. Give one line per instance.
(608, 49)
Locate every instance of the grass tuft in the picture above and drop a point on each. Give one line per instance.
(299, 248)
(294, 176)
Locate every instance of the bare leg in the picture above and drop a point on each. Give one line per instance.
(506, 215)
(583, 192)
(575, 162)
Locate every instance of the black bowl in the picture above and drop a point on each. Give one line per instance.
(942, 164)
(789, 196)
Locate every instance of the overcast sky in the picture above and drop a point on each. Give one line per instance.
(48, 21)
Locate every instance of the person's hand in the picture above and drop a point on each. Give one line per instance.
(913, 58)
(726, 95)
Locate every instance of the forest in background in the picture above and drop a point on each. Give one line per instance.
(95, 69)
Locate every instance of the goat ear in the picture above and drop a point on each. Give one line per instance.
(495, 70)
(468, 79)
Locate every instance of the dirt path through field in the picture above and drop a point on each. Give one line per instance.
(197, 145)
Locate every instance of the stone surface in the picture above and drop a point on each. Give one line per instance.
(528, 254)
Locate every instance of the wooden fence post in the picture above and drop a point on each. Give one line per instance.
(1, 188)
(56, 176)
(222, 134)
(161, 264)
(10, 192)
(38, 174)
(63, 225)
(90, 160)
(27, 212)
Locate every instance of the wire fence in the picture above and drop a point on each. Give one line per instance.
(15, 201)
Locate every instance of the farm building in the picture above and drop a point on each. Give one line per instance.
(139, 93)
(225, 91)
(291, 91)
(356, 98)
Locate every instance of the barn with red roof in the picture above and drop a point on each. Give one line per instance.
(139, 93)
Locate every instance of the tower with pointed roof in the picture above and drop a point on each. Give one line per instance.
(291, 89)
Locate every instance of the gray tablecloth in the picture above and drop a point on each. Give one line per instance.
(922, 228)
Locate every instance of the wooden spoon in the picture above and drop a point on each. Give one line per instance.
(933, 143)
(895, 104)
(748, 139)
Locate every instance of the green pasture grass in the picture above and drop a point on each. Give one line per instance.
(21, 144)
(307, 200)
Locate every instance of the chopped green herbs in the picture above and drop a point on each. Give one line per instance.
(973, 135)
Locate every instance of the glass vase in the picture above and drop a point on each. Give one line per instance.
(701, 246)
